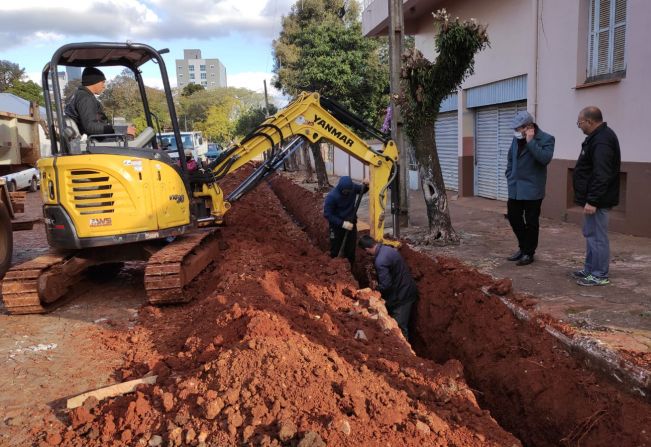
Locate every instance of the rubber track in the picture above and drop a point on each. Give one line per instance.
(171, 270)
(20, 285)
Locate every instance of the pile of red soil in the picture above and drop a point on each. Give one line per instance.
(281, 349)
(530, 383)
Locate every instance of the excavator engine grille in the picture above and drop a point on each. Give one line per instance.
(91, 192)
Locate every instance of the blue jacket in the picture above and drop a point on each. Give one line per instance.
(338, 206)
(394, 280)
(526, 172)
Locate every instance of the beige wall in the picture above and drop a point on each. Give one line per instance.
(509, 24)
(562, 61)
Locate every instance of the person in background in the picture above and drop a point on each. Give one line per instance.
(85, 109)
(394, 281)
(596, 189)
(526, 174)
(339, 209)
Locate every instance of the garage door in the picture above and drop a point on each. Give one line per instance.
(493, 135)
(446, 131)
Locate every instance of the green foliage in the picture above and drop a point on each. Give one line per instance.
(320, 49)
(251, 118)
(122, 97)
(29, 90)
(425, 84)
(214, 111)
(189, 89)
(10, 73)
(71, 87)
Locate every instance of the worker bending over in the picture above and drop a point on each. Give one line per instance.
(394, 281)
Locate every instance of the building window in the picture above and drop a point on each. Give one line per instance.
(212, 75)
(203, 75)
(191, 75)
(180, 67)
(204, 83)
(191, 67)
(212, 83)
(180, 75)
(202, 67)
(607, 39)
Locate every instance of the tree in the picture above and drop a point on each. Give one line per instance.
(194, 109)
(71, 87)
(29, 90)
(189, 89)
(251, 118)
(321, 48)
(122, 96)
(9, 74)
(424, 85)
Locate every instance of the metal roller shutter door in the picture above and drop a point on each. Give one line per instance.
(446, 131)
(493, 139)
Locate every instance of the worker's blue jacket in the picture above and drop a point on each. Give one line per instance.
(338, 205)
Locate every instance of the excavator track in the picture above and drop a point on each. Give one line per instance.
(24, 286)
(170, 271)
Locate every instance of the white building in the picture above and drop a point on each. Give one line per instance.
(192, 69)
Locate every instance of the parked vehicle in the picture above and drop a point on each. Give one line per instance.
(22, 142)
(191, 140)
(213, 151)
(26, 179)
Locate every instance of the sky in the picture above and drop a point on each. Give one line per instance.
(237, 32)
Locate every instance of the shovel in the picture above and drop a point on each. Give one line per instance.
(343, 242)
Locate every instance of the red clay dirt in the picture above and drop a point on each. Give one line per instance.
(530, 383)
(279, 348)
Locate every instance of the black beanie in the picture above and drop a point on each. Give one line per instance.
(92, 76)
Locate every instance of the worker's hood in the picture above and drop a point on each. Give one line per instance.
(345, 185)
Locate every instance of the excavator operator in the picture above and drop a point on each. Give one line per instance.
(340, 209)
(85, 109)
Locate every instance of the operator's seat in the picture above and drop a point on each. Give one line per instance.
(73, 131)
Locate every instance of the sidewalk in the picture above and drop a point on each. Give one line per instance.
(618, 314)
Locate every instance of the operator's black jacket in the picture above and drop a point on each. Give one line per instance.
(88, 113)
(596, 174)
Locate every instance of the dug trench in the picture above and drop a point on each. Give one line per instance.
(281, 348)
(278, 348)
(533, 385)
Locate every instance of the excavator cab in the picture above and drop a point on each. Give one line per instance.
(113, 190)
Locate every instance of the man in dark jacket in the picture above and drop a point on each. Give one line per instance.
(394, 281)
(85, 109)
(526, 173)
(339, 209)
(596, 189)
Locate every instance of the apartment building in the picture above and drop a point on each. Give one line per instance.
(552, 58)
(193, 69)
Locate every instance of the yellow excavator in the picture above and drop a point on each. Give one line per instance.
(107, 200)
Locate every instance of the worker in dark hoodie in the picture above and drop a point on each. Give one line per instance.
(339, 209)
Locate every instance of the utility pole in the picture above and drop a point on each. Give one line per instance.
(266, 98)
(396, 43)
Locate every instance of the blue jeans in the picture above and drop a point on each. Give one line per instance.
(597, 253)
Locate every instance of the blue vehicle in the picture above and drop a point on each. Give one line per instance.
(213, 152)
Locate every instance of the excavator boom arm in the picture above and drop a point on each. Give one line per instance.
(307, 117)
